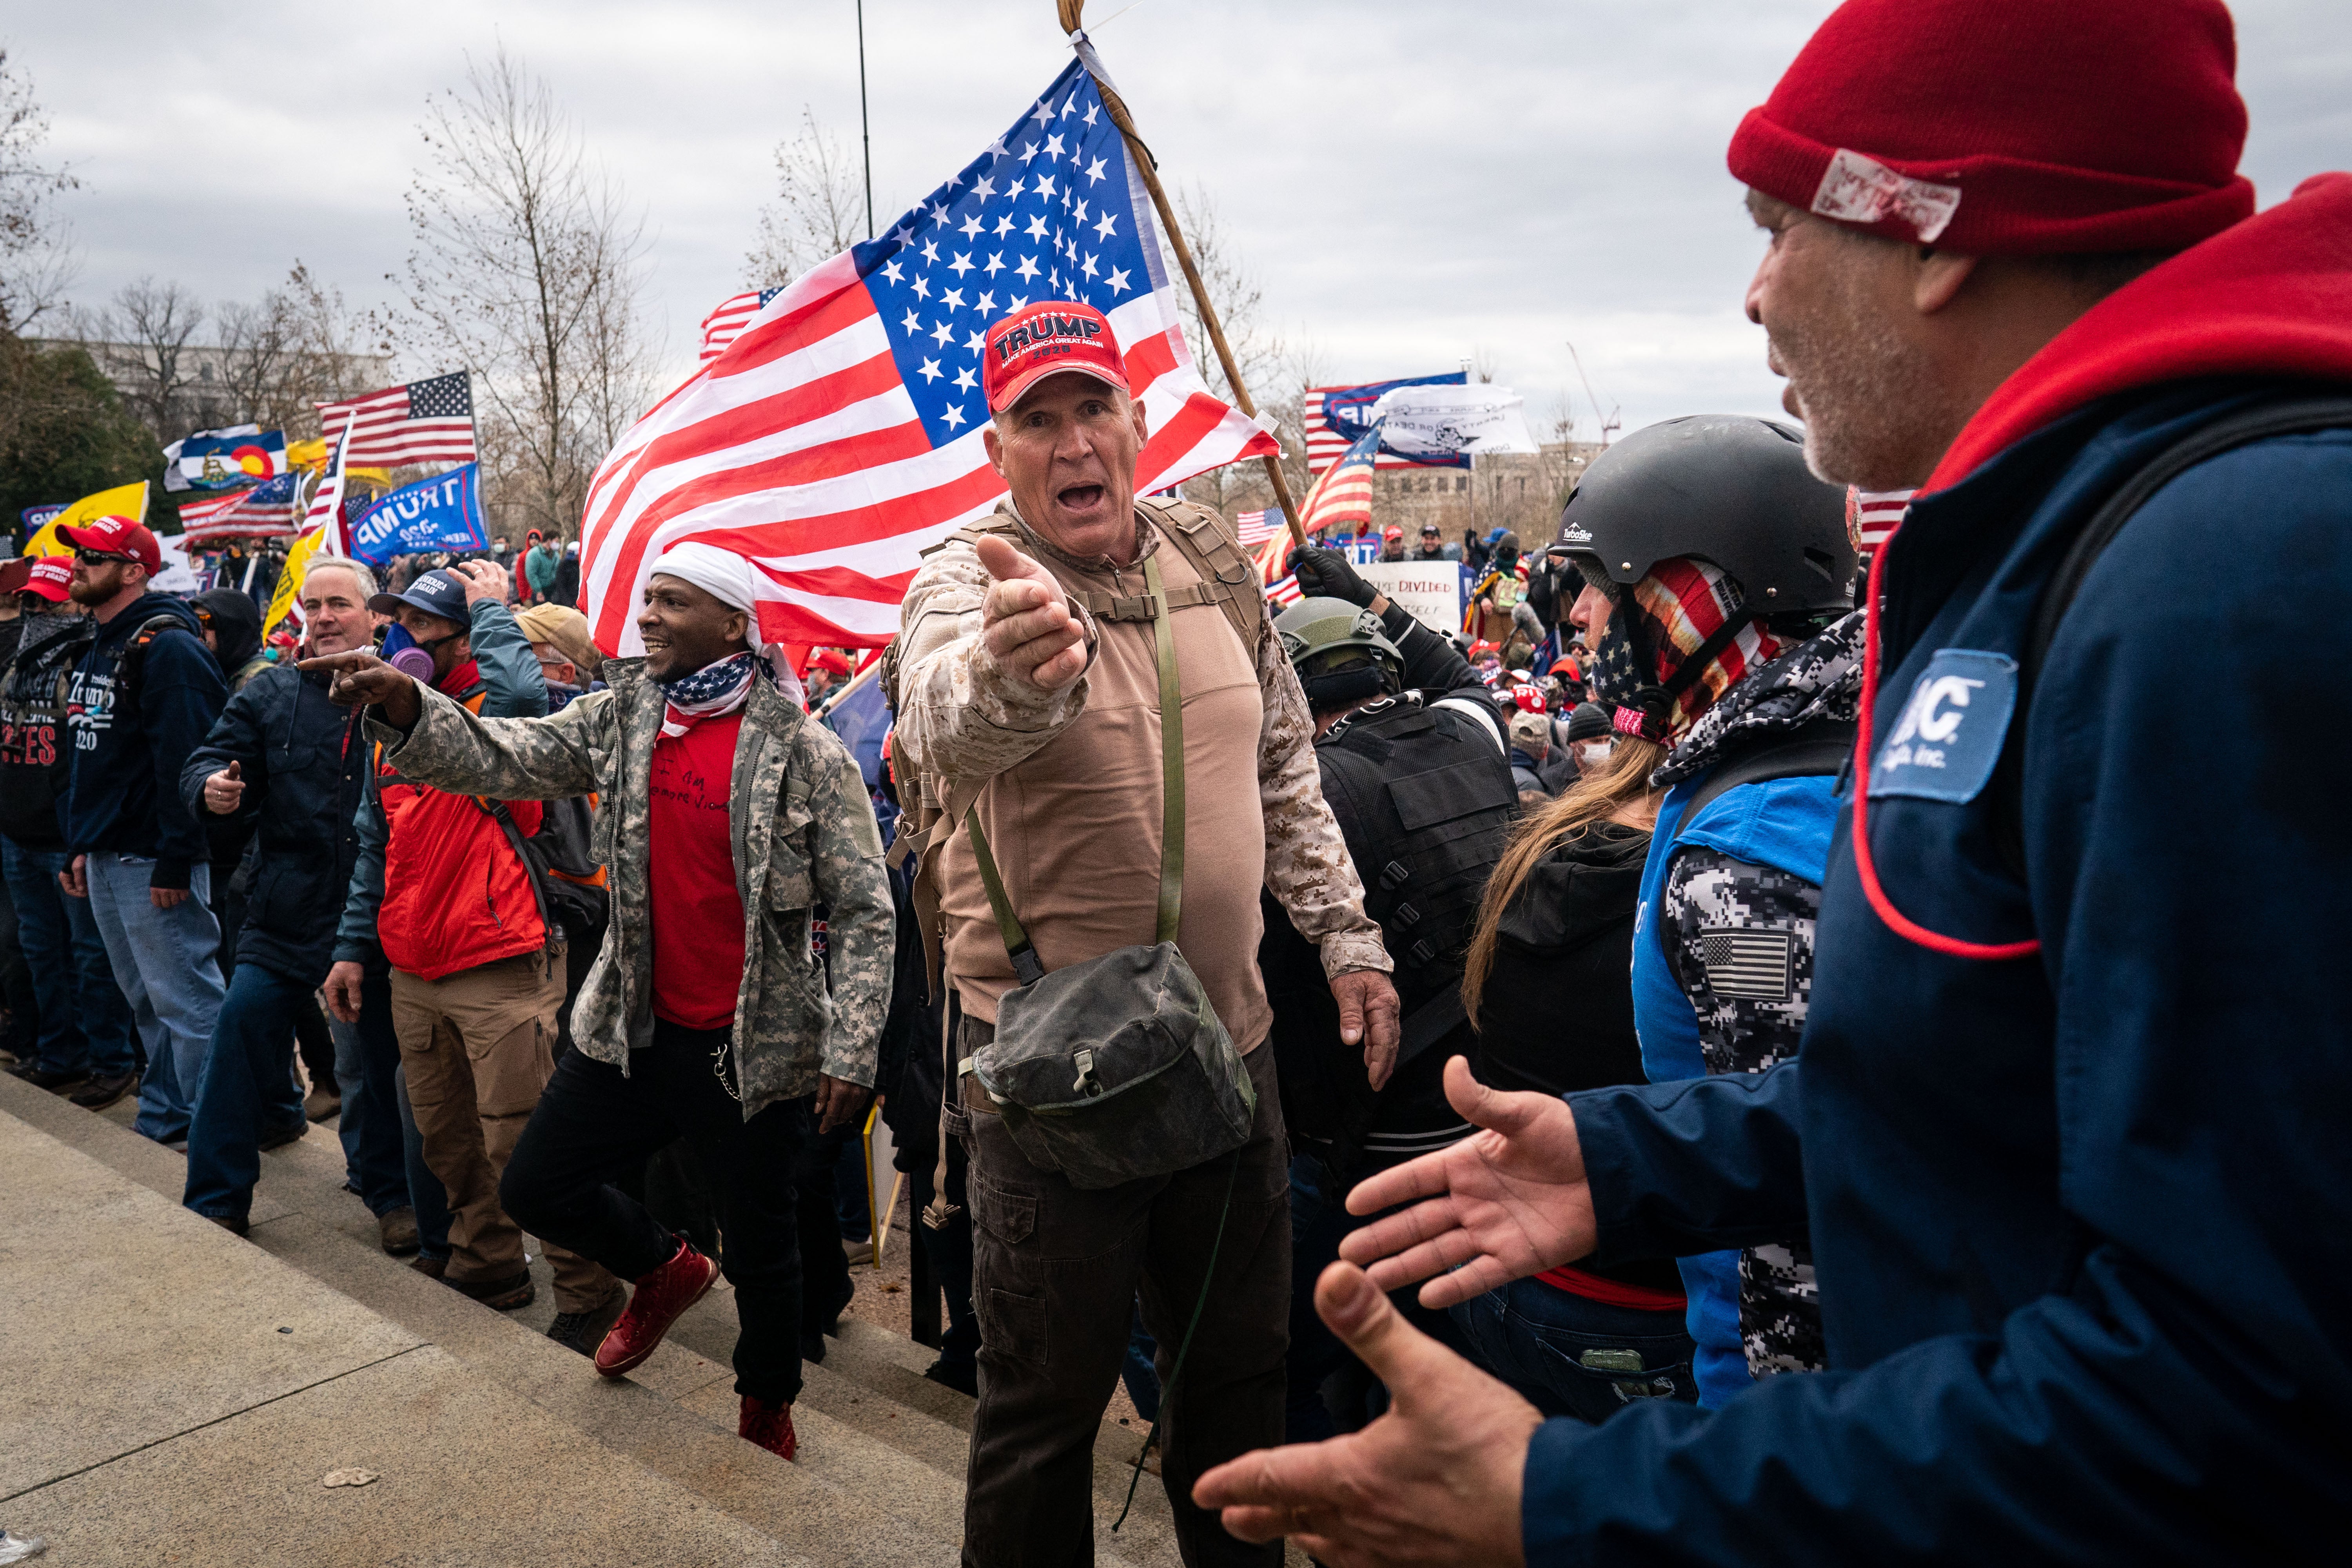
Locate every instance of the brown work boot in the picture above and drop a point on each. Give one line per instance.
(398, 1229)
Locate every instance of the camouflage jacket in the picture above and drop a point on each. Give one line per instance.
(962, 718)
(803, 832)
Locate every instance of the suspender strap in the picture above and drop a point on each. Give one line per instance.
(1171, 757)
(1026, 966)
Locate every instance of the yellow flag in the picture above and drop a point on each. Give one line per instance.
(123, 500)
(289, 578)
(306, 454)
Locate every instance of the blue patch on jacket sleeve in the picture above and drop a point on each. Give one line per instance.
(1945, 745)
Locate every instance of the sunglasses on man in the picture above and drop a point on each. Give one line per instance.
(91, 557)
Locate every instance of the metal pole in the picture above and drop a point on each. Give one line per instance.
(1070, 13)
(864, 124)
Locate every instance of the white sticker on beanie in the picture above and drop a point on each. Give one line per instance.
(1859, 189)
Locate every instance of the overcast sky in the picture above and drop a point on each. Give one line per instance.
(1412, 182)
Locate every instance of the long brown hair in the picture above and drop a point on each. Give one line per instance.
(1592, 799)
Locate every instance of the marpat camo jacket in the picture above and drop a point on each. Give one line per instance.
(803, 833)
(962, 718)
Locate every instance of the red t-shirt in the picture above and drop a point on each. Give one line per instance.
(696, 913)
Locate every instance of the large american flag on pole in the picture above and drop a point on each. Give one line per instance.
(429, 421)
(839, 435)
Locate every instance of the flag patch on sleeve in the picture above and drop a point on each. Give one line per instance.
(1751, 964)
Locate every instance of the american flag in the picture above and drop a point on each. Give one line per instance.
(1871, 516)
(423, 422)
(263, 511)
(1343, 495)
(1257, 527)
(839, 435)
(729, 317)
(1336, 415)
(326, 508)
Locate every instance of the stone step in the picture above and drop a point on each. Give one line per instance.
(638, 1420)
(169, 1394)
(880, 1474)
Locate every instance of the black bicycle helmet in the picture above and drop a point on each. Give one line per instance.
(1726, 489)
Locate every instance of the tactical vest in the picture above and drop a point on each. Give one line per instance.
(1227, 580)
(1427, 803)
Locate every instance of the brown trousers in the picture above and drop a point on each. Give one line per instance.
(478, 1046)
(1056, 1272)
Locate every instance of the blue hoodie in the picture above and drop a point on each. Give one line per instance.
(124, 792)
(2079, 1217)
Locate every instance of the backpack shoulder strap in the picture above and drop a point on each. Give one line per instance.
(1226, 580)
(2295, 413)
(1814, 750)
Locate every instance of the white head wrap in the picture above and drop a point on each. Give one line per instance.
(732, 581)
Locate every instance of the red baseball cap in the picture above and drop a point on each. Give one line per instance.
(49, 577)
(118, 536)
(1046, 339)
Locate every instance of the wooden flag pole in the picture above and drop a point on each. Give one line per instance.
(1071, 12)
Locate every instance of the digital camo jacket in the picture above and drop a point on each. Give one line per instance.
(804, 834)
(961, 719)
(1740, 938)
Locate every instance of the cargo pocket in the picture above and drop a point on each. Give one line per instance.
(1010, 1217)
(1013, 1325)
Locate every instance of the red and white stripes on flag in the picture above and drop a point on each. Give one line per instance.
(1872, 515)
(836, 438)
(729, 317)
(1257, 527)
(263, 511)
(429, 421)
(326, 508)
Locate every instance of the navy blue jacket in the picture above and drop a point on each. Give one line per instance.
(304, 763)
(2080, 1219)
(124, 792)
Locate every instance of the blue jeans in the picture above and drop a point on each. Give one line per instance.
(164, 962)
(1570, 1355)
(1316, 1225)
(85, 1024)
(247, 1090)
(369, 1126)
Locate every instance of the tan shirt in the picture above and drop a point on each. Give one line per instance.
(1072, 806)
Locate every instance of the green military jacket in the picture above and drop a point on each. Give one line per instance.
(803, 833)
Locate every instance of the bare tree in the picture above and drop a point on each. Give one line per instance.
(35, 262)
(528, 270)
(298, 345)
(144, 339)
(820, 207)
(1258, 355)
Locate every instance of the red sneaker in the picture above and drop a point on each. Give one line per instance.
(659, 1299)
(770, 1426)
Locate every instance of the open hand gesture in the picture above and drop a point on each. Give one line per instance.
(1502, 1204)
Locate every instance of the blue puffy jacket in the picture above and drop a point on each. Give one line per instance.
(2079, 1218)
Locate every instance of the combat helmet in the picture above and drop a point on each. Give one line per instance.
(1340, 651)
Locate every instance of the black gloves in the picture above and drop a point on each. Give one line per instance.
(1327, 575)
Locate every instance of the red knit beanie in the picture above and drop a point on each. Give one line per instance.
(2010, 127)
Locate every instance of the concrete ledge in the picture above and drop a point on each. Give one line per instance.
(470, 1476)
(131, 1319)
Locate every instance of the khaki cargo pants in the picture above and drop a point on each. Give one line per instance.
(478, 1046)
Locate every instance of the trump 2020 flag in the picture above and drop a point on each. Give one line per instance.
(224, 460)
(444, 512)
(838, 435)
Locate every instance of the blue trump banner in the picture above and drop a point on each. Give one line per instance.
(444, 512)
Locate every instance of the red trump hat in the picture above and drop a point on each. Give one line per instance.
(118, 536)
(1047, 339)
(50, 578)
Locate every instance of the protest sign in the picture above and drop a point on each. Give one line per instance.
(1430, 591)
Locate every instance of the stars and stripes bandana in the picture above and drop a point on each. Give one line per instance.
(1682, 604)
(713, 692)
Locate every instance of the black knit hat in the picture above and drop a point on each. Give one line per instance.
(1588, 721)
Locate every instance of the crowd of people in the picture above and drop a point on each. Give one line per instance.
(1723, 1056)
